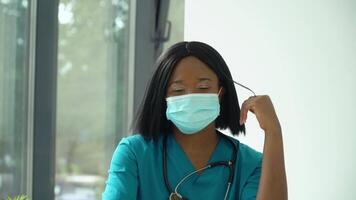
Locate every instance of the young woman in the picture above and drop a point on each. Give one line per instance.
(178, 153)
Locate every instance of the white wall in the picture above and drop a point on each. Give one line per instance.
(303, 54)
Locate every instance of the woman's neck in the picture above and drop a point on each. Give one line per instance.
(197, 142)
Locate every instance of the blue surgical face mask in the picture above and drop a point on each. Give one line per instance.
(191, 113)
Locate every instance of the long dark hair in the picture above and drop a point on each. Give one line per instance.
(151, 121)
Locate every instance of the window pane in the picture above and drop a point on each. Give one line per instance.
(13, 97)
(92, 78)
(176, 17)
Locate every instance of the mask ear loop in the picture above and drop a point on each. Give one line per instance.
(254, 94)
(219, 91)
(244, 87)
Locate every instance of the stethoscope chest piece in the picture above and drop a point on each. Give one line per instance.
(175, 196)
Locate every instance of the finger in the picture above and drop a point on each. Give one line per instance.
(249, 106)
(252, 99)
(244, 110)
(251, 109)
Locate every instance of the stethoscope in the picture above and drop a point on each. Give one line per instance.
(174, 195)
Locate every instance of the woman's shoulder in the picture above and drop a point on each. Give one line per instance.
(133, 140)
(250, 153)
(248, 156)
(136, 140)
(250, 162)
(137, 144)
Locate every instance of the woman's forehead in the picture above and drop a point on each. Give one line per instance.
(191, 68)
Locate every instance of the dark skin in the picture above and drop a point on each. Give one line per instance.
(193, 76)
(198, 79)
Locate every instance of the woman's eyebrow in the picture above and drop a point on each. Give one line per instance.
(204, 79)
(181, 81)
(175, 81)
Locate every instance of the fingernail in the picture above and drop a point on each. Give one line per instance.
(240, 122)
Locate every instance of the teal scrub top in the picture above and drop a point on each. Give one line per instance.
(136, 171)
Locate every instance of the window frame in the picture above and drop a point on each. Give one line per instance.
(149, 19)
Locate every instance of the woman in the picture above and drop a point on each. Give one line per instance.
(179, 154)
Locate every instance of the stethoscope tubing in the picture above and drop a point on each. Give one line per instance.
(230, 163)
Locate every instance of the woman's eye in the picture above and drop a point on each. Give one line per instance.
(178, 90)
(204, 87)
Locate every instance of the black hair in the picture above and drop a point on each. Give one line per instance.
(151, 121)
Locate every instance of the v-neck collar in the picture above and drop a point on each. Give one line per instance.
(187, 164)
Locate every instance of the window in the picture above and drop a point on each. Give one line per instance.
(105, 51)
(92, 94)
(176, 18)
(13, 97)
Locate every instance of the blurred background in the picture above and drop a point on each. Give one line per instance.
(73, 73)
